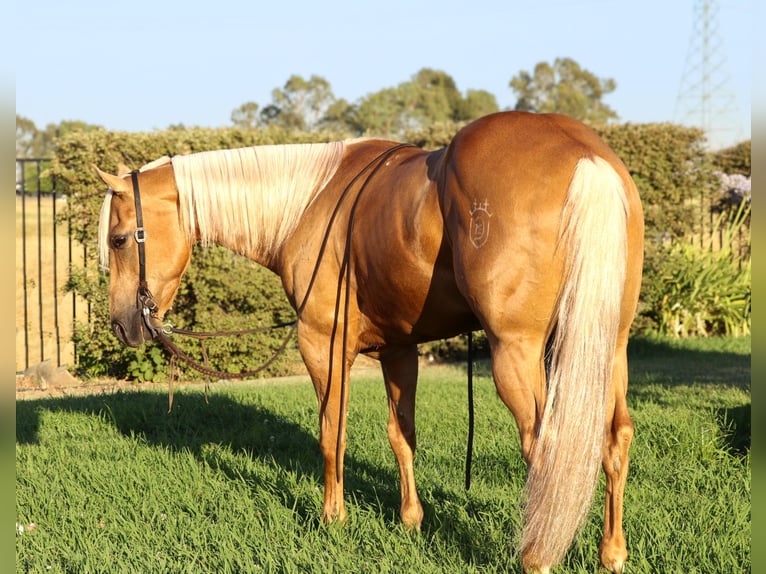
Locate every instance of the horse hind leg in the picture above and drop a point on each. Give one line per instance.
(400, 372)
(518, 368)
(619, 434)
(519, 373)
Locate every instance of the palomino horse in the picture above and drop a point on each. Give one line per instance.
(527, 226)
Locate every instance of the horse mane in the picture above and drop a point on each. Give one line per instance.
(251, 198)
(103, 231)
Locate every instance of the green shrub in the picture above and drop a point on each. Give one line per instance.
(223, 291)
(690, 290)
(734, 159)
(671, 169)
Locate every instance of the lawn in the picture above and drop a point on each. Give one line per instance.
(112, 483)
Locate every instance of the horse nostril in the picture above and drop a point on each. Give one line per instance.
(119, 331)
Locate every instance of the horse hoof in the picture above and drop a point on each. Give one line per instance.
(334, 518)
(412, 517)
(616, 566)
(613, 556)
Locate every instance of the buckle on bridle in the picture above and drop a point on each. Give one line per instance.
(140, 235)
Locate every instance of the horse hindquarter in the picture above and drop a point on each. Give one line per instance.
(542, 245)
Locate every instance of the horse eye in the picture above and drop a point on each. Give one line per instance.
(119, 241)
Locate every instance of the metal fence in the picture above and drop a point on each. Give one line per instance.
(45, 254)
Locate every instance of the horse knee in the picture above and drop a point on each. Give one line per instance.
(624, 433)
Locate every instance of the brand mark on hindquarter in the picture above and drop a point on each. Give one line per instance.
(480, 223)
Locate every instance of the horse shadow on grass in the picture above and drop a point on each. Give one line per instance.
(249, 432)
(289, 447)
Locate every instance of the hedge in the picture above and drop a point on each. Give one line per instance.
(223, 291)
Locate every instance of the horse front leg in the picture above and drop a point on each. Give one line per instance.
(400, 372)
(329, 374)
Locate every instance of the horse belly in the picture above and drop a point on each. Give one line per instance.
(412, 298)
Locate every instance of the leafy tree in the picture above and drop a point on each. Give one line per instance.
(245, 116)
(339, 116)
(33, 142)
(300, 104)
(381, 113)
(429, 97)
(566, 88)
(435, 97)
(27, 138)
(475, 104)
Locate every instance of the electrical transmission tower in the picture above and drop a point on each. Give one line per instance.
(705, 98)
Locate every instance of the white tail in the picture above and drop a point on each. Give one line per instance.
(567, 455)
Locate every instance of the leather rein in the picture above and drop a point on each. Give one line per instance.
(148, 308)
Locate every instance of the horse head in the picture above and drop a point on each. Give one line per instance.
(136, 308)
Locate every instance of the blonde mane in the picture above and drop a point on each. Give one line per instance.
(251, 199)
(103, 231)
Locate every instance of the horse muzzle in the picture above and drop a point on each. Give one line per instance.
(132, 333)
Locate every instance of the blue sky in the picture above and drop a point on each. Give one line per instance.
(141, 65)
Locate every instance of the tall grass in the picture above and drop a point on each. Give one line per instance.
(114, 484)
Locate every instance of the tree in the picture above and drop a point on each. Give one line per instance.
(565, 88)
(429, 97)
(435, 96)
(339, 116)
(379, 113)
(245, 116)
(33, 142)
(301, 104)
(477, 103)
(27, 138)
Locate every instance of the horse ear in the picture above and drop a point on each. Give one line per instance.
(115, 182)
(123, 169)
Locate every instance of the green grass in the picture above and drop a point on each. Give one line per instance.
(114, 484)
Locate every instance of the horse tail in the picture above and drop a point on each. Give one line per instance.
(566, 458)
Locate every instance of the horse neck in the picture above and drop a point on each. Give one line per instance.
(250, 200)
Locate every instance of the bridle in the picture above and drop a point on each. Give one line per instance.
(148, 306)
(148, 309)
(145, 300)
